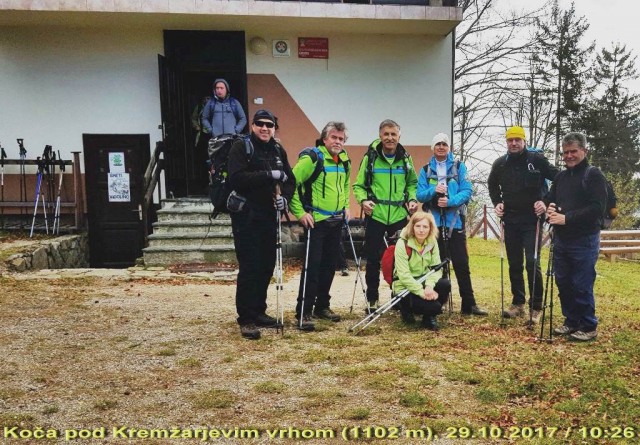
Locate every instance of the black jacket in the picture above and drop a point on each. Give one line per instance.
(513, 181)
(251, 178)
(583, 207)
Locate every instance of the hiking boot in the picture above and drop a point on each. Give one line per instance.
(249, 331)
(344, 272)
(564, 330)
(408, 317)
(476, 310)
(515, 310)
(429, 322)
(534, 316)
(307, 325)
(583, 336)
(326, 314)
(372, 307)
(266, 321)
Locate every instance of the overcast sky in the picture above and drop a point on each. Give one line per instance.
(609, 20)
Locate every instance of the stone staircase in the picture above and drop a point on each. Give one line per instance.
(185, 234)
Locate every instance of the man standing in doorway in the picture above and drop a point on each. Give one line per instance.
(321, 205)
(223, 114)
(254, 227)
(577, 202)
(445, 190)
(516, 187)
(386, 190)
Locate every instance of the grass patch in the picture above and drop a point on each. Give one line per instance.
(359, 413)
(105, 404)
(214, 398)
(190, 362)
(270, 387)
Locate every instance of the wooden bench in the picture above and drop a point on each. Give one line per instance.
(619, 242)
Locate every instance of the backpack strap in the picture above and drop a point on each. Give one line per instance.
(372, 155)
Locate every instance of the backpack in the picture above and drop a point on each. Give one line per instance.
(219, 187)
(610, 208)
(534, 176)
(232, 102)
(388, 262)
(372, 155)
(317, 157)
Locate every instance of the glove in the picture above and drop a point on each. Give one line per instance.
(278, 175)
(280, 202)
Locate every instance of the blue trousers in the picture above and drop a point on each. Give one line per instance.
(574, 262)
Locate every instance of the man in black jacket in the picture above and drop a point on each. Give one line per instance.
(516, 187)
(255, 176)
(577, 201)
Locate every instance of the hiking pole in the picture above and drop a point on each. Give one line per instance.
(23, 178)
(369, 319)
(279, 271)
(304, 282)
(38, 194)
(548, 290)
(3, 156)
(358, 274)
(502, 322)
(445, 242)
(535, 270)
(56, 217)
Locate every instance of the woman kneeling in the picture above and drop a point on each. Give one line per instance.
(416, 251)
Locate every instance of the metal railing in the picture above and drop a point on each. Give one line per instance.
(150, 181)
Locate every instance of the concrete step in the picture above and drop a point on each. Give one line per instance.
(188, 214)
(168, 255)
(202, 202)
(219, 226)
(194, 239)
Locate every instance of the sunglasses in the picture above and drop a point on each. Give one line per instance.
(261, 124)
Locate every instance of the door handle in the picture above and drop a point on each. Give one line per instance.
(139, 210)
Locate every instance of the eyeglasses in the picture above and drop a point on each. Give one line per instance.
(261, 124)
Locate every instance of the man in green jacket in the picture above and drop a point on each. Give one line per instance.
(321, 205)
(386, 190)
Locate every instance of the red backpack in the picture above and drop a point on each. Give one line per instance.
(387, 264)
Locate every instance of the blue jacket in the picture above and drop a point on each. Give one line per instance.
(223, 116)
(459, 191)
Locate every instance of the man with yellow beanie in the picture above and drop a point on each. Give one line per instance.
(516, 187)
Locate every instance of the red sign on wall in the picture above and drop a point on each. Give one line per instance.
(313, 48)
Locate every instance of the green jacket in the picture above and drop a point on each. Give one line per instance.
(409, 269)
(330, 190)
(393, 184)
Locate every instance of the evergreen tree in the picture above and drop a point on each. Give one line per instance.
(564, 65)
(612, 120)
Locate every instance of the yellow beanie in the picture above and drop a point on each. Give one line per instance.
(516, 132)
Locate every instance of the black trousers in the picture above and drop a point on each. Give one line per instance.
(519, 239)
(455, 248)
(254, 237)
(415, 304)
(341, 262)
(321, 266)
(374, 248)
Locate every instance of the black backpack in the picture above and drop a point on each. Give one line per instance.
(612, 200)
(219, 187)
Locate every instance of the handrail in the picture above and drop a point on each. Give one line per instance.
(150, 181)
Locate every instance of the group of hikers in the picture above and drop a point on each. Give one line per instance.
(427, 209)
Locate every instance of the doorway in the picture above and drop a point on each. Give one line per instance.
(114, 170)
(192, 61)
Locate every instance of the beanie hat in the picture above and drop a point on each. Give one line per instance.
(440, 137)
(264, 115)
(516, 132)
(226, 84)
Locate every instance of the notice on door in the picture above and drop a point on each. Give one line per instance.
(118, 187)
(116, 162)
(313, 48)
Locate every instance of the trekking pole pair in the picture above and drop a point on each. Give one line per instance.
(23, 179)
(548, 292)
(56, 216)
(369, 319)
(445, 241)
(39, 194)
(358, 261)
(279, 268)
(502, 322)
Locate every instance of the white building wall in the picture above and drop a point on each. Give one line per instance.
(366, 79)
(57, 83)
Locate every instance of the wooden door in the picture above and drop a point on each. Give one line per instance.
(114, 170)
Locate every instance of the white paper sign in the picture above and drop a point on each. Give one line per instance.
(118, 187)
(116, 162)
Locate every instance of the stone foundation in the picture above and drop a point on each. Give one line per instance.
(64, 252)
